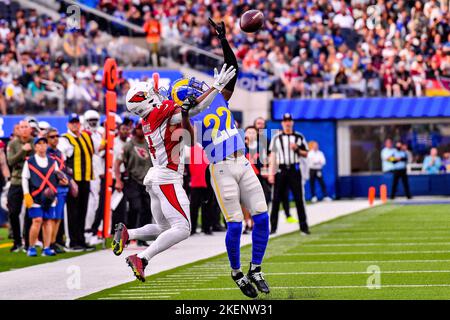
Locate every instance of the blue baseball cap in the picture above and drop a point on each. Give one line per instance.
(74, 117)
(37, 139)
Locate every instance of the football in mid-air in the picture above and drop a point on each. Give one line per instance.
(251, 21)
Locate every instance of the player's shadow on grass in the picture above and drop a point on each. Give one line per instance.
(289, 295)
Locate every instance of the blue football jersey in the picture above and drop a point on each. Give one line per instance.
(216, 130)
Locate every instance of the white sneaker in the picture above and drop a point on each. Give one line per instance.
(314, 199)
(94, 240)
(87, 237)
(39, 244)
(327, 199)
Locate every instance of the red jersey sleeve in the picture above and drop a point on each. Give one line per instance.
(158, 115)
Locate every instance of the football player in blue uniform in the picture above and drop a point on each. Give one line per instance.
(232, 177)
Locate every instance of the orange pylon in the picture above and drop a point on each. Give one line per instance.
(383, 193)
(371, 195)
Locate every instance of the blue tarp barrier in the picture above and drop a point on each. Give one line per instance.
(362, 108)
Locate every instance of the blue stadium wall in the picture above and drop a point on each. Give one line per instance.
(317, 119)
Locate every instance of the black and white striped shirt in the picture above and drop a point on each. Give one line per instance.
(281, 145)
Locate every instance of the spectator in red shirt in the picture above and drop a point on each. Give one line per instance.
(199, 193)
(152, 28)
(388, 80)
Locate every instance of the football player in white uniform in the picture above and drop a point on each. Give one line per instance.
(169, 202)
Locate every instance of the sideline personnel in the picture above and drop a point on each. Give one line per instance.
(284, 172)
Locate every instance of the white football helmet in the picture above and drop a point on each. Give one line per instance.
(142, 98)
(91, 120)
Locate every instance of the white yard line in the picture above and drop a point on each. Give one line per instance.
(387, 240)
(361, 252)
(306, 287)
(338, 262)
(373, 244)
(134, 297)
(340, 272)
(86, 274)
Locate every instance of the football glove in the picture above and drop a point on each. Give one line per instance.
(221, 79)
(188, 104)
(28, 199)
(219, 28)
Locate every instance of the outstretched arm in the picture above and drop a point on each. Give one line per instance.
(185, 122)
(228, 54)
(220, 81)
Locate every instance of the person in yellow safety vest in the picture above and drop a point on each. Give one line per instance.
(78, 148)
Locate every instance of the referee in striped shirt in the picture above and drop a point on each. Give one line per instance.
(286, 149)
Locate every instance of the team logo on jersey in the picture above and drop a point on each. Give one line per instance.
(146, 128)
(138, 97)
(141, 152)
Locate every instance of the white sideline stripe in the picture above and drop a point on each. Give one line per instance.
(375, 244)
(361, 252)
(317, 287)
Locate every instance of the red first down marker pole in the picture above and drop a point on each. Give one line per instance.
(109, 83)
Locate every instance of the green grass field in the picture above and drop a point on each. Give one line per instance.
(409, 245)
(11, 261)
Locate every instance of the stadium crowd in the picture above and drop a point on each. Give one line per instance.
(48, 67)
(312, 47)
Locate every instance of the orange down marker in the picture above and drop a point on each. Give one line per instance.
(371, 195)
(383, 193)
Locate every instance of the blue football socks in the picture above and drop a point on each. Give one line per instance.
(260, 237)
(233, 244)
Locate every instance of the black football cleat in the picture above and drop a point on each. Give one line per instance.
(245, 285)
(120, 239)
(137, 265)
(257, 277)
